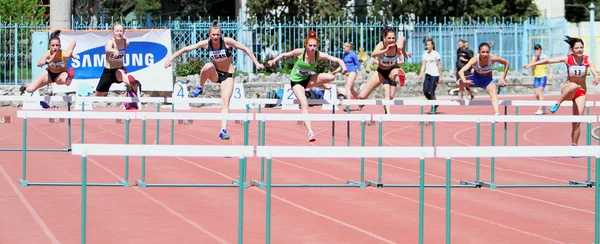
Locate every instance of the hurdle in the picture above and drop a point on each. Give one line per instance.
(271, 152)
(521, 151)
(246, 117)
(262, 118)
(8, 119)
(86, 150)
(380, 118)
(546, 119)
(73, 115)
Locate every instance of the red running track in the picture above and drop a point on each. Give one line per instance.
(40, 214)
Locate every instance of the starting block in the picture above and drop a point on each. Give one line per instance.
(185, 122)
(6, 119)
(56, 120)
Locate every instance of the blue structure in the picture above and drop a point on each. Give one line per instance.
(513, 39)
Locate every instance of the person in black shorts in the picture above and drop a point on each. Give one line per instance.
(221, 69)
(463, 55)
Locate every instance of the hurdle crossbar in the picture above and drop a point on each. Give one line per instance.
(539, 119)
(522, 151)
(31, 114)
(380, 118)
(37, 99)
(262, 118)
(144, 116)
(271, 152)
(86, 150)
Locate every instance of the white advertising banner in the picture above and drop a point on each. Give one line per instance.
(144, 59)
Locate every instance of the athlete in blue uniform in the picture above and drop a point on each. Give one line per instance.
(221, 69)
(482, 77)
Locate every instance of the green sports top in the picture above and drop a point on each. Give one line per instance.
(303, 70)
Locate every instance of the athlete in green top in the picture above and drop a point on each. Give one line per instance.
(303, 76)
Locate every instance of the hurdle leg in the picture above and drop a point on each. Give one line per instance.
(241, 186)
(83, 198)
(172, 125)
(333, 128)
(597, 204)
(125, 181)
(268, 203)
(361, 184)
(516, 127)
(347, 129)
(245, 160)
(491, 184)
(588, 141)
(69, 127)
(23, 179)
(448, 190)
(261, 137)
(505, 124)
(421, 198)
(157, 125)
(477, 182)
(142, 181)
(378, 184)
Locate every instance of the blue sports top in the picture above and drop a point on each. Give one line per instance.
(351, 61)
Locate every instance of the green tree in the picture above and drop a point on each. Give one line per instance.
(23, 8)
(439, 9)
(307, 9)
(577, 10)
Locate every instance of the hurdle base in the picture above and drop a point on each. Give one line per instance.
(382, 185)
(26, 183)
(571, 183)
(349, 183)
(143, 184)
(476, 184)
(16, 149)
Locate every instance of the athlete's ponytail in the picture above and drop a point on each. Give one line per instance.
(215, 26)
(386, 29)
(571, 41)
(54, 36)
(312, 35)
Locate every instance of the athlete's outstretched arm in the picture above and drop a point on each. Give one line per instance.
(561, 59)
(201, 44)
(293, 53)
(502, 61)
(239, 46)
(69, 52)
(43, 59)
(328, 57)
(461, 72)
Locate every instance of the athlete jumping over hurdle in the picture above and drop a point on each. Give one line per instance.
(388, 72)
(56, 72)
(303, 76)
(114, 68)
(575, 87)
(221, 69)
(482, 75)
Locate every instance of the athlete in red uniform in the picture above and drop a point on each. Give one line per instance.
(575, 88)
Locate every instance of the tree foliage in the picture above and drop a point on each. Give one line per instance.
(29, 9)
(449, 9)
(577, 10)
(288, 9)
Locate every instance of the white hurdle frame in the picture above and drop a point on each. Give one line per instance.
(478, 119)
(264, 117)
(86, 150)
(144, 116)
(518, 152)
(271, 152)
(32, 114)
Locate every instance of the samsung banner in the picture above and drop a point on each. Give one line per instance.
(144, 58)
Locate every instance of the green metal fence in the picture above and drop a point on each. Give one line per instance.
(513, 39)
